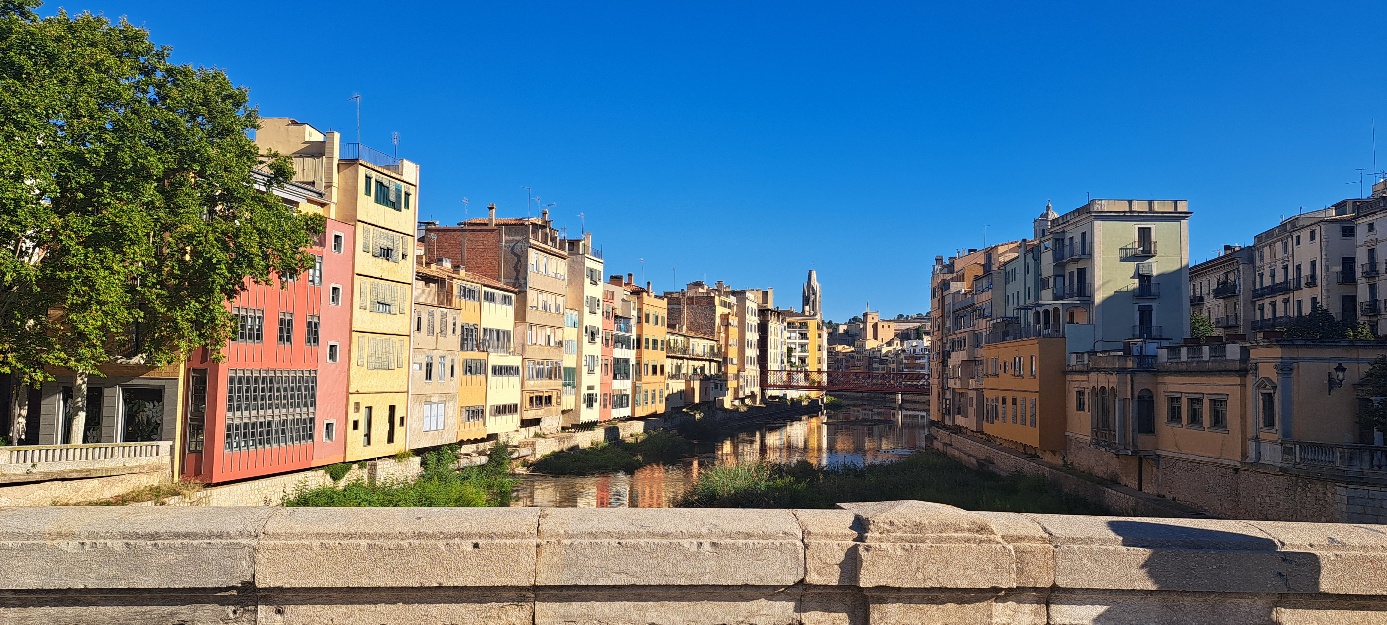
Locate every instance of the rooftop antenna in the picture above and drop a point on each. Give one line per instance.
(527, 208)
(357, 97)
(395, 140)
(527, 200)
(583, 221)
(464, 209)
(642, 270)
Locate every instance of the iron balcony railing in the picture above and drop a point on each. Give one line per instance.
(1228, 321)
(1148, 332)
(1072, 291)
(1346, 276)
(1370, 270)
(1270, 323)
(1147, 291)
(362, 152)
(1371, 308)
(1276, 288)
(1226, 289)
(1066, 253)
(1140, 249)
(1196, 299)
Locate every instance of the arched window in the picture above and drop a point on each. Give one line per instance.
(1046, 319)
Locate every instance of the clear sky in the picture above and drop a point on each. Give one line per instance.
(750, 141)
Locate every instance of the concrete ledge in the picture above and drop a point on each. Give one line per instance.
(888, 562)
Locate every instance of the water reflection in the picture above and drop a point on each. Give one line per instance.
(855, 435)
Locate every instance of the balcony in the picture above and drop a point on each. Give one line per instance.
(1148, 332)
(1371, 308)
(1226, 289)
(1150, 290)
(1196, 300)
(1346, 277)
(1114, 361)
(362, 152)
(1370, 270)
(1276, 288)
(1229, 321)
(1325, 458)
(1064, 254)
(1072, 291)
(32, 463)
(1140, 249)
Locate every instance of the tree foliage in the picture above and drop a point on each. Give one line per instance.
(1200, 326)
(1320, 324)
(129, 211)
(1372, 395)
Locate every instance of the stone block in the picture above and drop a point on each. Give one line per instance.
(913, 544)
(654, 547)
(978, 607)
(1169, 554)
(421, 606)
(1068, 607)
(832, 605)
(830, 546)
(398, 547)
(685, 605)
(1035, 555)
(106, 606)
(124, 547)
(1331, 611)
(1349, 559)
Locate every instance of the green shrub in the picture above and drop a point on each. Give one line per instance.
(337, 471)
(441, 483)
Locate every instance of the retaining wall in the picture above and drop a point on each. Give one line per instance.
(882, 563)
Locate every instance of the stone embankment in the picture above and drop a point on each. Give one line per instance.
(880, 563)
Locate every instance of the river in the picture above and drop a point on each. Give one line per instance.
(852, 435)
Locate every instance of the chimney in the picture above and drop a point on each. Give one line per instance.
(587, 243)
(544, 215)
(630, 277)
(647, 286)
(491, 214)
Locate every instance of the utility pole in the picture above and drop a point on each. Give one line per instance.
(357, 97)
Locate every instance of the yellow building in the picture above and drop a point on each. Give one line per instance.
(570, 363)
(652, 315)
(473, 367)
(503, 359)
(1024, 392)
(379, 194)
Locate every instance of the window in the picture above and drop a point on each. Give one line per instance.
(428, 369)
(1080, 403)
(471, 340)
(335, 295)
(250, 324)
(474, 414)
(286, 328)
(329, 431)
(270, 408)
(473, 367)
(366, 434)
(333, 351)
(1346, 232)
(367, 188)
(407, 197)
(469, 293)
(1218, 413)
(1268, 410)
(315, 273)
(435, 413)
(339, 242)
(310, 330)
(1195, 418)
(504, 410)
(1172, 410)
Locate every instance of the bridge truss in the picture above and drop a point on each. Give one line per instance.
(846, 381)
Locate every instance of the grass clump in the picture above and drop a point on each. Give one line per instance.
(441, 484)
(157, 493)
(833, 403)
(657, 447)
(337, 471)
(924, 475)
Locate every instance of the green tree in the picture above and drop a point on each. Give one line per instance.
(1319, 324)
(1372, 395)
(129, 210)
(1200, 326)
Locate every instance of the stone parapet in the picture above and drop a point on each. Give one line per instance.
(879, 563)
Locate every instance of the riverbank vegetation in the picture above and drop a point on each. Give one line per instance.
(441, 483)
(924, 475)
(656, 447)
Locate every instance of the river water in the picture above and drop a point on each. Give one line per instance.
(853, 435)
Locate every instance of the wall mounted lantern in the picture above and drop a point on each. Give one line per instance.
(1336, 377)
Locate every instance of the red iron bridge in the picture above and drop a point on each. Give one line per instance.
(846, 381)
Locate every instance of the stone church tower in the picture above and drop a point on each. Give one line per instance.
(812, 299)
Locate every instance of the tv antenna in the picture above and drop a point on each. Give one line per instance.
(464, 208)
(395, 140)
(584, 222)
(357, 97)
(527, 200)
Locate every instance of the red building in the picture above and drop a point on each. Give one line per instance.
(276, 402)
(608, 326)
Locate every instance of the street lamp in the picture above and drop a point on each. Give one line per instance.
(1336, 377)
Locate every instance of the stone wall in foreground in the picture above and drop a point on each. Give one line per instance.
(880, 563)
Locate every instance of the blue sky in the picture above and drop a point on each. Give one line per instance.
(749, 142)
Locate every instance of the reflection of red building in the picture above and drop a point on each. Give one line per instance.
(277, 400)
(648, 486)
(604, 491)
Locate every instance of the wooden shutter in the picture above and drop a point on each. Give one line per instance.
(360, 351)
(365, 238)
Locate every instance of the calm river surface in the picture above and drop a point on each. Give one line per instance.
(853, 435)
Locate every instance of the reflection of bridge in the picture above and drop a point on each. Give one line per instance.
(859, 381)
